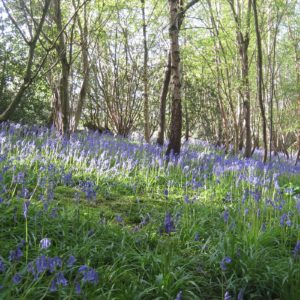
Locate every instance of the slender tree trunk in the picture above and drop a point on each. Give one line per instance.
(259, 80)
(86, 70)
(163, 102)
(176, 115)
(243, 40)
(62, 109)
(145, 77)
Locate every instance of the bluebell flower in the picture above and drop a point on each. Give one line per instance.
(91, 276)
(15, 255)
(197, 237)
(25, 208)
(297, 248)
(186, 199)
(61, 280)
(53, 213)
(119, 219)
(17, 278)
(282, 219)
(288, 223)
(83, 268)
(298, 206)
(179, 296)
(2, 265)
(226, 216)
(225, 261)
(45, 243)
(30, 268)
(169, 224)
(227, 296)
(71, 261)
(20, 177)
(41, 264)
(77, 288)
(53, 263)
(240, 295)
(53, 287)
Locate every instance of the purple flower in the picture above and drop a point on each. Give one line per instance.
(77, 288)
(25, 208)
(41, 264)
(61, 280)
(227, 296)
(53, 263)
(186, 199)
(45, 243)
(297, 248)
(179, 296)
(53, 286)
(20, 177)
(15, 255)
(225, 261)
(226, 216)
(71, 261)
(169, 224)
(298, 206)
(166, 193)
(240, 295)
(53, 213)
(119, 219)
(2, 266)
(89, 274)
(197, 237)
(83, 269)
(17, 278)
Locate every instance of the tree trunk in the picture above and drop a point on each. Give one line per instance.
(86, 70)
(243, 40)
(176, 114)
(61, 113)
(259, 80)
(145, 77)
(163, 103)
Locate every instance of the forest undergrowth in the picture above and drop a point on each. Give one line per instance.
(102, 217)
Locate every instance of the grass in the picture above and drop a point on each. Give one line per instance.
(149, 230)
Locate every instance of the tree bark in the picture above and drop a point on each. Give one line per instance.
(259, 81)
(163, 102)
(145, 77)
(176, 113)
(61, 113)
(243, 40)
(86, 69)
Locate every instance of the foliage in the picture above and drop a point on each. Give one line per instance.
(103, 217)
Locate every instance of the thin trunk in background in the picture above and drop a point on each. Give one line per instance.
(260, 80)
(163, 102)
(145, 77)
(85, 65)
(61, 109)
